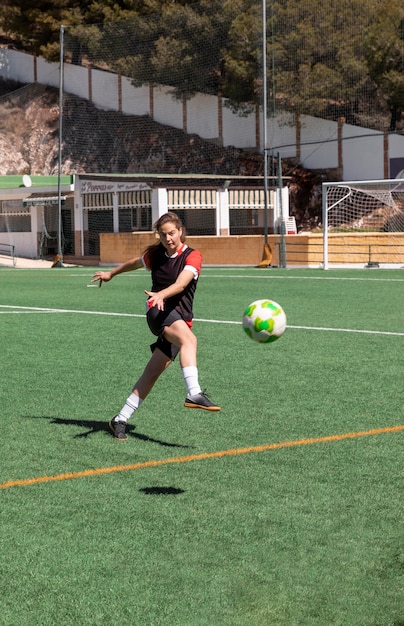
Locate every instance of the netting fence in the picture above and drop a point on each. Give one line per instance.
(177, 91)
(182, 92)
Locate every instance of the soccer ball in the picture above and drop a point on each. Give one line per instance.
(264, 321)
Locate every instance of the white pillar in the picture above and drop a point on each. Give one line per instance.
(36, 227)
(115, 212)
(222, 213)
(159, 203)
(78, 221)
(281, 211)
(285, 202)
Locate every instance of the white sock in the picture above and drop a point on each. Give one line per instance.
(131, 405)
(190, 375)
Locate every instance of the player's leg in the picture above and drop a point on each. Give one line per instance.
(179, 334)
(182, 336)
(158, 362)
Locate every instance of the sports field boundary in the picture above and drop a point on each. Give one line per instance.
(199, 457)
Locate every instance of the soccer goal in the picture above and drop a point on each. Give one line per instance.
(363, 223)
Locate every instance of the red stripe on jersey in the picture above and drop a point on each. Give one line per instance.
(195, 260)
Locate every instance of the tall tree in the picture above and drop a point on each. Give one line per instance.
(242, 75)
(181, 46)
(341, 57)
(385, 56)
(35, 25)
(317, 54)
(316, 60)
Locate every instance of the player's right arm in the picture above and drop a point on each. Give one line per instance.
(128, 266)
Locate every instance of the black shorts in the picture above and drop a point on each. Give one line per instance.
(157, 321)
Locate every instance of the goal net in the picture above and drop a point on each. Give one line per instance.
(363, 223)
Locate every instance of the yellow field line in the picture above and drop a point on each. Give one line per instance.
(198, 457)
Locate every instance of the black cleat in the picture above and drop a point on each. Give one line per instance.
(200, 401)
(118, 429)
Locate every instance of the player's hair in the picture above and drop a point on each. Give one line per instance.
(164, 219)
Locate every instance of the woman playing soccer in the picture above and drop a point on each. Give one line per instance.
(174, 269)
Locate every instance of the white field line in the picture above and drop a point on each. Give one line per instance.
(207, 272)
(12, 309)
(268, 277)
(35, 309)
(324, 328)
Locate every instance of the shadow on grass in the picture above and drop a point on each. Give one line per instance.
(161, 491)
(95, 426)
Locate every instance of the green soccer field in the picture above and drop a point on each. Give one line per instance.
(283, 509)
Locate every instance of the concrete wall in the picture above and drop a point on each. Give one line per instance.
(359, 153)
(363, 154)
(319, 142)
(25, 244)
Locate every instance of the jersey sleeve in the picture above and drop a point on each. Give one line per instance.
(146, 261)
(194, 262)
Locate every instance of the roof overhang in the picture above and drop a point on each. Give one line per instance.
(44, 199)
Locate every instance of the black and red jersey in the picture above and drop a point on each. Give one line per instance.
(165, 271)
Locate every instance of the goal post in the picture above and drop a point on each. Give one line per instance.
(363, 223)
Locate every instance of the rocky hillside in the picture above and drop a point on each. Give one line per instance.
(28, 131)
(104, 141)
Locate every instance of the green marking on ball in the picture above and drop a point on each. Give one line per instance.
(270, 305)
(250, 310)
(266, 325)
(269, 339)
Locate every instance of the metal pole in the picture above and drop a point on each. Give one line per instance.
(264, 116)
(60, 251)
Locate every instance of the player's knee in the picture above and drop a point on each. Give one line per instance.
(191, 341)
